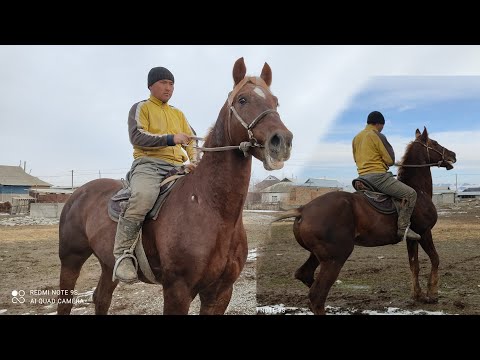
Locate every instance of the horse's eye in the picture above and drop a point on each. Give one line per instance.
(242, 101)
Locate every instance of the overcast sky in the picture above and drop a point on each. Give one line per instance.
(65, 108)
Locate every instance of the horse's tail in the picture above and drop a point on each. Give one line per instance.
(289, 213)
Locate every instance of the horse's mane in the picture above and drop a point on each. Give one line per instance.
(209, 133)
(411, 176)
(216, 132)
(405, 157)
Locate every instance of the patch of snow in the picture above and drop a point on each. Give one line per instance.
(398, 311)
(444, 213)
(85, 297)
(27, 220)
(281, 309)
(252, 254)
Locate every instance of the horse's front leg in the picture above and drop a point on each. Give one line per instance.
(177, 297)
(427, 244)
(412, 247)
(215, 299)
(320, 288)
(305, 273)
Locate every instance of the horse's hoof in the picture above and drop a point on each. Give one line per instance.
(410, 302)
(319, 312)
(308, 283)
(419, 297)
(306, 280)
(426, 299)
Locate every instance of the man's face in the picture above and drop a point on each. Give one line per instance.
(162, 90)
(379, 127)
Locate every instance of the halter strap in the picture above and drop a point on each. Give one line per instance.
(428, 154)
(252, 141)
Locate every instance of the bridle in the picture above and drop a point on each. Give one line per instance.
(428, 154)
(252, 141)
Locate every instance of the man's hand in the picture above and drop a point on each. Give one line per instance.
(181, 138)
(190, 167)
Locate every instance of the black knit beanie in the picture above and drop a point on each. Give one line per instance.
(159, 73)
(375, 117)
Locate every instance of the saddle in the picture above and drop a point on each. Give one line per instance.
(118, 202)
(117, 205)
(383, 203)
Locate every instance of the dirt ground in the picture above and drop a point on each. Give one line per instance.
(379, 278)
(372, 278)
(29, 263)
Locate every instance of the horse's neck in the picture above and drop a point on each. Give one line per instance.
(225, 174)
(229, 175)
(418, 178)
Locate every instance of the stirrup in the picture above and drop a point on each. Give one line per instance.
(404, 238)
(126, 254)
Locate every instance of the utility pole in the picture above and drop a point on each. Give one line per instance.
(25, 166)
(456, 188)
(72, 179)
(99, 174)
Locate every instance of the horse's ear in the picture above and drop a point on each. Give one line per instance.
(266, 74)
(417, 134)
(239, 71)
(424, 136)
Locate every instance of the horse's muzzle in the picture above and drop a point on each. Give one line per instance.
(450, 160)
(277, 149)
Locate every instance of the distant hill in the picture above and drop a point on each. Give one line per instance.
(461, 187)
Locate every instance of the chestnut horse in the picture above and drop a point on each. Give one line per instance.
(331, 225)
(198, 244)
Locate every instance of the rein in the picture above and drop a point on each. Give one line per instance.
(428, 154)
(244, 146)
(423, 165)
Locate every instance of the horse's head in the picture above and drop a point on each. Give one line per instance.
(253, 117)
(433, 151)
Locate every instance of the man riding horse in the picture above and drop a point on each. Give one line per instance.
(373, 155)
(157, 132)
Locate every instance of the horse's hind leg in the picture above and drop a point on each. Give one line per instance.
(305, 273)
(412, 247)
(427, 244)
(215, 299)
(320, 288)
(102, 296)
(71, 264)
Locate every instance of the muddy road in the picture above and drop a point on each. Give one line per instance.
(379, 278)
